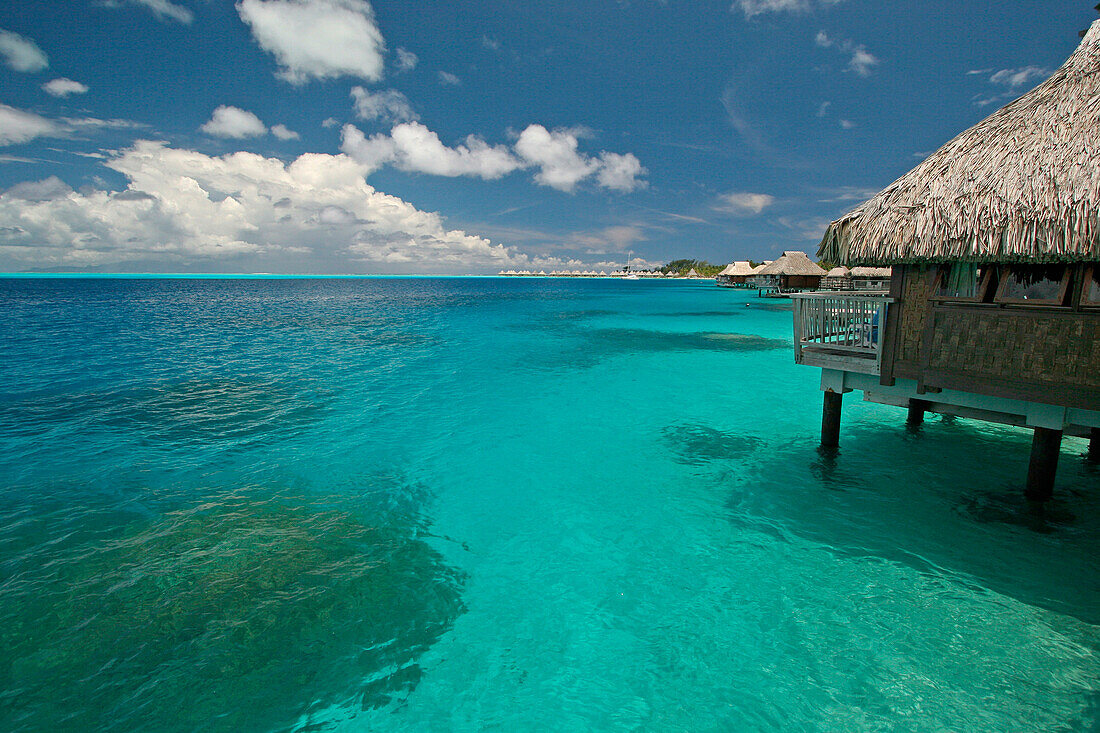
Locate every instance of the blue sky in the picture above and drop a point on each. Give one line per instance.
(341, 136)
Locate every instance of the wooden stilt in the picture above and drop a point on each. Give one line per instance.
(1094, 445)
(1044, 464)
(830, 420)
(916, 412)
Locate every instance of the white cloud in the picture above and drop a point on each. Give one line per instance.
(64, 87)
(320, 39)
(371, 153)
(406, 60)
(413, 147)
(609, 239)
(847, 124)
(743, 203)
(330, 122)
(17, 126)
(182, 205)
(419, 149)
(1011, 83)
(21, 54)
(620, 172)
(44, 190)
(166, 10)
(284, 133)
(561, 166)
(824, 108)
(229, 121)
(1016, 78)
(446, 77)
(390, 105)
(752, 8)
(860, 61)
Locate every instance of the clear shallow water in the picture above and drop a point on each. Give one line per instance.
(411, 504)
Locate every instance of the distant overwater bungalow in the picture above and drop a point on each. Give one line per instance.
(993, 310)
(793, 272)
(735, 274)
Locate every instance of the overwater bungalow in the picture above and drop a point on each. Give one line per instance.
(993, 310)
(838, 278)
(793, 272)
(735, 274)
(870, 278)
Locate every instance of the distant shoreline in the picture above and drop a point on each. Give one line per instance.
(273, 276)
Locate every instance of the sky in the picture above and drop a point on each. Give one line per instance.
(404, 136)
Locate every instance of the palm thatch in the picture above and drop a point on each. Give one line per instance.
(792, 263)
(1021, 185)
(741, 268)
(879, 272)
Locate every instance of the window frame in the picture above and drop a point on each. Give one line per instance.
(979, 293)
(1090, 272)
(1001, 298)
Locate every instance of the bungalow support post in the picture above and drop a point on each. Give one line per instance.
(830, 419)
(1094, 445)
(1044, 464)
(916, 412)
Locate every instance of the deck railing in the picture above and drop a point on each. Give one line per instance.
(833, 328)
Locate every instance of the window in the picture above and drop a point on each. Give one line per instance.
(1090, 293)
(1037, 284)
(963, 281)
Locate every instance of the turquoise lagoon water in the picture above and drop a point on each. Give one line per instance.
(497, 504)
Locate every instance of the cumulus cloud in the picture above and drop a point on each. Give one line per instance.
(413, 147)
(64, 87)
(283, 132)
(45, 190)
(620, 172)
(560, 164)
(743, 203)
(18, 126)
(860, 60)
(406, 60)
(752, 8)
(389, 105)
(21, 54)
(317, 39)
(184, 205)
(234, 122)
(372, 153)
(446, 77)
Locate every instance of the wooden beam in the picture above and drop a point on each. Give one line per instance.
(830, 419)
(1094, 445)
(1043, 466)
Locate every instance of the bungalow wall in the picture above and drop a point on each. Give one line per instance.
(1045, 352)
(796, 282)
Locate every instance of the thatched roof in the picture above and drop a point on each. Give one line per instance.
(692, 273)
(791, 263)
(739, 268)
(880, 272)
(1021, 185)
(838, 272)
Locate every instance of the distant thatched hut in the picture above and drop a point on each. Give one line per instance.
(793, 271)
(736, 273)
(994, 305)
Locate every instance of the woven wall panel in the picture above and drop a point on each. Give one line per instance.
(914, 309)
(1018, 347)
